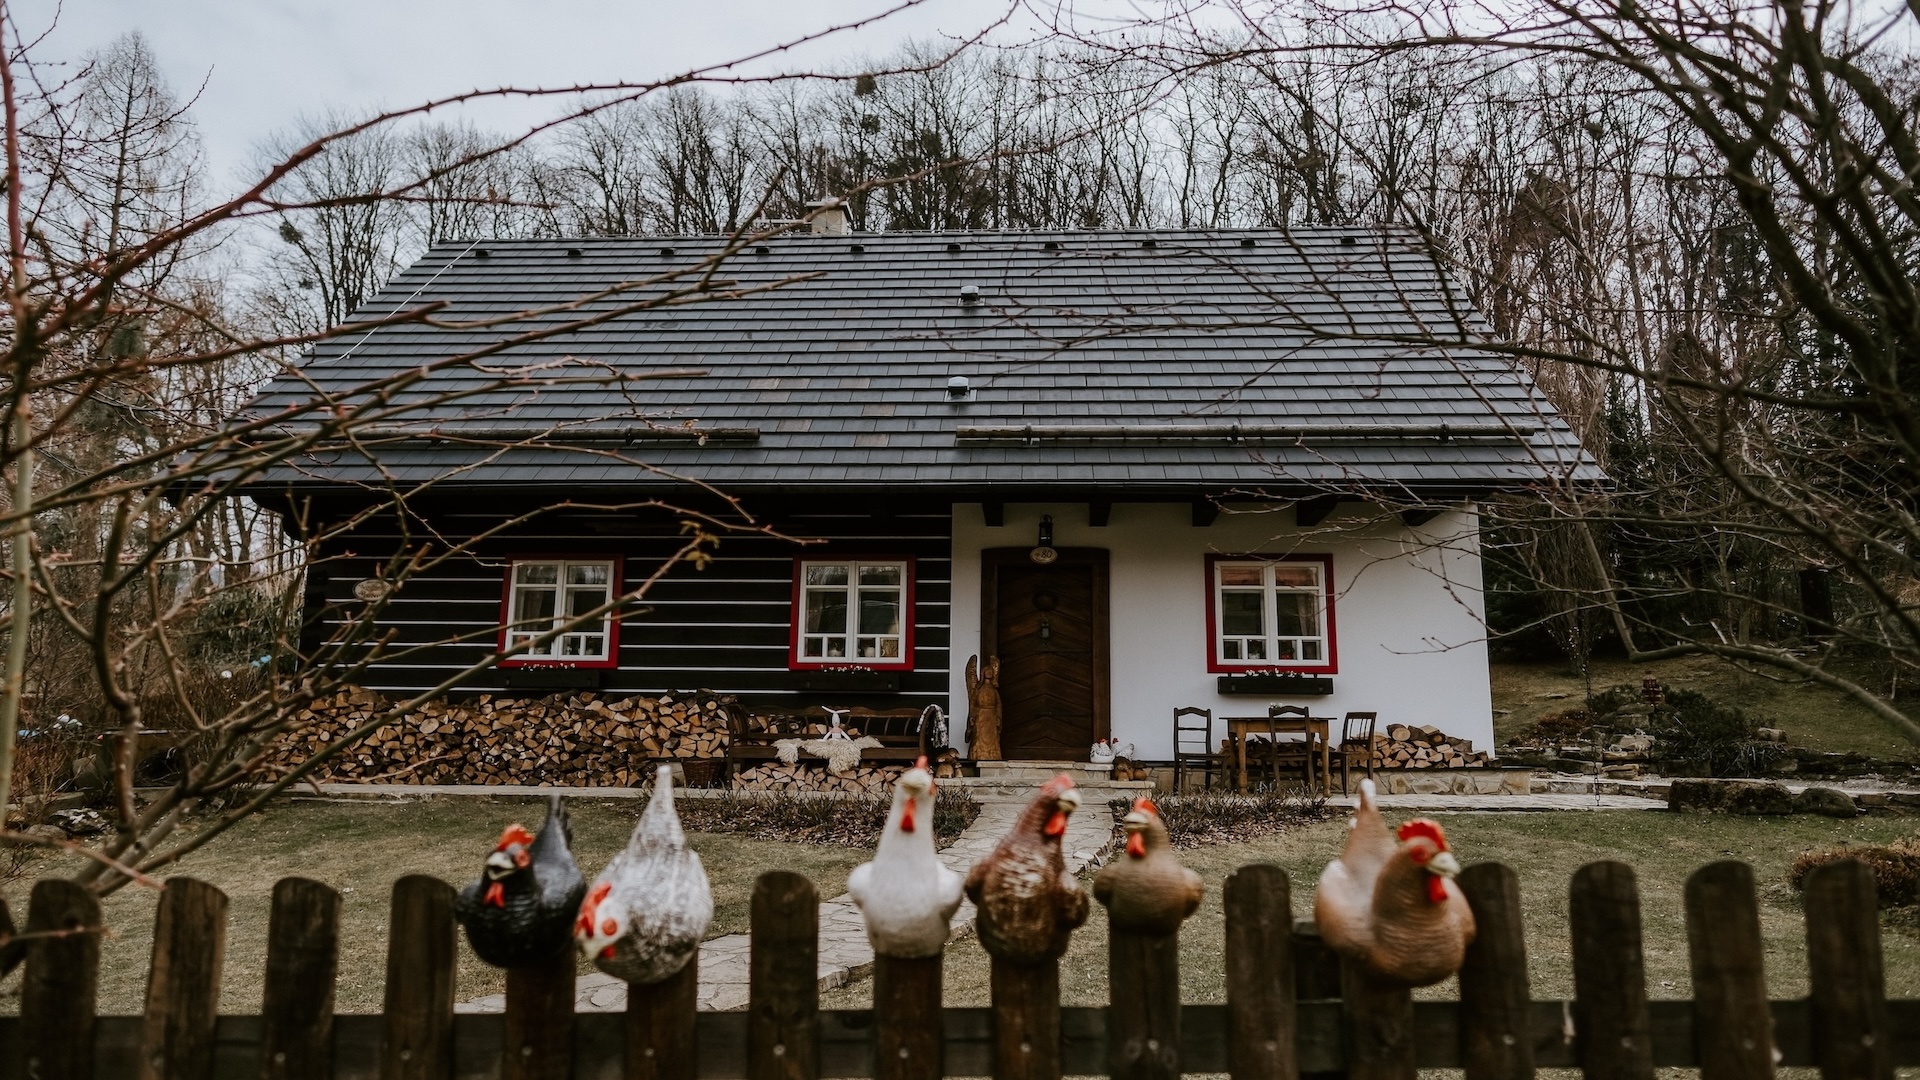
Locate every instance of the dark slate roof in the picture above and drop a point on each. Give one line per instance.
(1275, 346)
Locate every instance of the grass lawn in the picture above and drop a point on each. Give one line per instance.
(1812, 715)
(361, 848)
(1545, 848)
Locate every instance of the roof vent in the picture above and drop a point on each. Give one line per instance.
(1149, 242)
(1348, 241)
(1246, 241)
(762, 249)
(829, 216)
(957, 388)
(953, 246)
(666, 252)
(859, 248)
(481, 253)
(1051, 245)
(969, 295)
(573, 253)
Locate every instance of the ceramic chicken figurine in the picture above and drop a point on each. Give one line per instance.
(907, 896)
(1028, 902)
(646, 913)
(1392, 906)
(519, 912)
(1146, 890)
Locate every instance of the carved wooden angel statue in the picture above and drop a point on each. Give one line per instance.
(983, 708)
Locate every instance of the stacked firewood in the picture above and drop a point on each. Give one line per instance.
(572, 740)
(813, 775)
(1427, 747)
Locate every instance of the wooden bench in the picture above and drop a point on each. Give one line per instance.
(751, 735)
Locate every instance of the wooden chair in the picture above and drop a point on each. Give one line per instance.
(1289, 753)
(1356, 742)
(1186, 757)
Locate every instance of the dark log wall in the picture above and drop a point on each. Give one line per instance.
(724, 627)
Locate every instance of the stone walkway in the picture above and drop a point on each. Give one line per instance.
(844, 952)
(1504, 804)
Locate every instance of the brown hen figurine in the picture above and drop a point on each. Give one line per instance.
(1146, 890)
(1028, 903)
(1392, 906)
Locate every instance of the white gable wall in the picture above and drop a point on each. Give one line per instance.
(1408, 611)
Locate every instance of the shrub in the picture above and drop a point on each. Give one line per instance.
(1895, 866)
(1220, 818)
(1698, 736)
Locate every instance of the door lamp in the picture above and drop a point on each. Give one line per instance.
(1044, 553)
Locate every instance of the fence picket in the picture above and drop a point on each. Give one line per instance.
(1260, 979)
(303, 963)
(783, 993)
(58, 992)
(1614, 1031)
(1496, 999)
(1143, 1010)
(419, 1000)
(1732, 1026)
(1026, 1019)
(1379, 1026)
(909, 1041)
(1316, 977)
(1846, 974)
(539, 1042)
(660, 1025)
(183, 982)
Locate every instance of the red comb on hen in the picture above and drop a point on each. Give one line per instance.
(1145, 805)
(514, 834)
(1426, 827)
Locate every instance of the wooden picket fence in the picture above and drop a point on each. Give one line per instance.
(1292, 1009)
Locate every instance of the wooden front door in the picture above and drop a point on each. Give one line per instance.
(1048, 626)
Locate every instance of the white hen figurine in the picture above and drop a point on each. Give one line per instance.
(907, 896)
(646, 913)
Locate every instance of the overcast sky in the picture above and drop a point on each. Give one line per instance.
(264, 62)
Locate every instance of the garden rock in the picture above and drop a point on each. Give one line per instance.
(1729, 797)
(81, 821)
(1830, 802)
(47, 833)
(1637, 743)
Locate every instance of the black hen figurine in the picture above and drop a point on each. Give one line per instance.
(521, 911)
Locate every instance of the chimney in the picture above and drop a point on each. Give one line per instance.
(829, 216)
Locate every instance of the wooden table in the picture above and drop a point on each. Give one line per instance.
(1315, 728)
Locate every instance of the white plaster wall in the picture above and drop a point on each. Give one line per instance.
(1408, 611)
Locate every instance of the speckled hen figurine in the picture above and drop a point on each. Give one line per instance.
(1393, 906)
(907, 896)
(520, 911)
(1028, 903)
(1146, 890)
(647, 911)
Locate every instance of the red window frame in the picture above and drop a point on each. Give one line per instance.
(910, 617)
(1227, 667)
(521, 660)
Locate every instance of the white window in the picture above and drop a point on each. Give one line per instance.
(548, 593)
(853, 612)
(1272, 612)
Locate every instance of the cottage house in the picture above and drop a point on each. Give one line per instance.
(1144, 469)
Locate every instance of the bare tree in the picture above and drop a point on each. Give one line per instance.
(130, 354)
